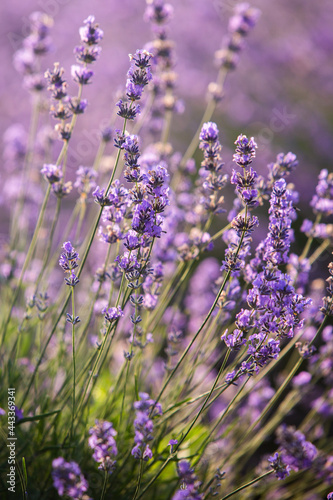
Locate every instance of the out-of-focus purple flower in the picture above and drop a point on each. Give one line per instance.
(36, 44)
(303, 378)
(322, 202)
(52, 173)
(327, 308)
(68, 479)
(15, 143)
(18, 413)
(85, 179)
(158, 12)
(282, 167)
(295, 450)
(143, 426)
(240, 24)
(102, 441)
(90, 33)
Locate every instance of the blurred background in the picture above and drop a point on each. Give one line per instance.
(281, 92)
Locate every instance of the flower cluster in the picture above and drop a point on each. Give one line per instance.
(190, 483)
(158, 13)
(295, 450)
(85, 180)
(245, 153)
(282, 470)
(327, 308)
(36, 44)
(138, 76)
(68, 479)
(69, 261)
(87, 53)
(240, 24)
(212, 181)
(102, 442)
(275, 307)
(143, 426)
(243, 226)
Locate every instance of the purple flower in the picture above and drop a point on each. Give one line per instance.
(68, 479)
(209, 133)
(85, 179)
(127, 262)
(158, 12)
(52, 173)
(77, 106)
(190, 483)
(113, 313)
(245, 151)
(69, 261)
(102, 441)
(283, 166)
(81, 75)
(143, 426)
(295, 450)
(235, 340)
(322, 202)
(90, 33)
(282, 470)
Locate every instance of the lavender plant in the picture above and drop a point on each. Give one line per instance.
(188, 354)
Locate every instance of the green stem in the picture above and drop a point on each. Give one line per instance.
(211, 105)
(73, 351)
(139, 480)
(247, 485)
(206, 400)
(104, 484)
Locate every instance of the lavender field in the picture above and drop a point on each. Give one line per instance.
(166, 238)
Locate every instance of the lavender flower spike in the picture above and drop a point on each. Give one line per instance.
(69, 261)
(68, 479)
(104, 445)
(245, 151)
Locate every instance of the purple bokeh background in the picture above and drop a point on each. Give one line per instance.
(281, 92)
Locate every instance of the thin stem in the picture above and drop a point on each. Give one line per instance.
(226, 278)
(104, 484)
(317, 253)
(73, 351)
(206, 400)
(211, 105)
(309, 240)
(247, 485)
(139, 480)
